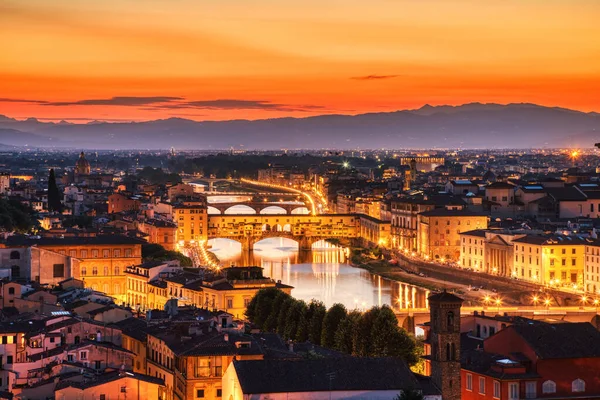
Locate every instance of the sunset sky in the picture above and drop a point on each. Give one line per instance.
(81, 60)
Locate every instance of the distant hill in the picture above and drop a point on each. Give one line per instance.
(472, 125)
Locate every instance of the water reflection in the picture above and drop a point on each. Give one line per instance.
(321, 274)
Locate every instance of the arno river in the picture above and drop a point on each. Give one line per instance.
(321, 274)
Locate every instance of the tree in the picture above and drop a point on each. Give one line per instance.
(282, 319)
(260, 306)
(389, 340)
(332, 320)
(410, 394)
(155, 252)
(270, 323)
(15, 216)
(362, 337)
(302, 328)
(294, 317)
(316, 311)
(345, 332)
(54, 203)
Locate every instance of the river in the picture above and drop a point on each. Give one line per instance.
(322, 274)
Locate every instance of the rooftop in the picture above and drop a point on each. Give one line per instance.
(324, 375)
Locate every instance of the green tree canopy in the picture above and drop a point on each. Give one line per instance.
(345, 332)
(155, 252)
(331, 322)
(316, 312)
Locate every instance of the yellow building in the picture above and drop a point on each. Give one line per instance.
(230, 291)
(103, 258)
(374, 231)
(592, 267)
(555, 260)
(439, 231)
(192, 220)
(141, 293)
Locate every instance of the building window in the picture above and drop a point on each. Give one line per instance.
(70, 358)
(95, 253)
(83, 271)
(127, 252)
(481, 385)
(94, 270)
(105, 271)
(200, 393)
(496, 389)
(117, 253)
(469, 382)
(83, 253)
(105, 253)
(15, 255)
(83, 355)
(531, 390)
(102, 397)
(117, 271)
(513, 391)
(229, 303)
(123, 389)
(11, 290)
(578, 386)
(549, 387)
(219, 392)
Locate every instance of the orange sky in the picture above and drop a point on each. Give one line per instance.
(224, 59)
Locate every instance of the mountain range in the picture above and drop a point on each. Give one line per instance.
(474, 125)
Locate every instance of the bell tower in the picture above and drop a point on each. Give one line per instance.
(444, 311)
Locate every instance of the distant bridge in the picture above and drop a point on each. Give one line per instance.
(258, 207)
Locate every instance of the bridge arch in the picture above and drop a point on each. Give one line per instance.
(300, 210)
(240, 209)
(213, 210)
(273, 210)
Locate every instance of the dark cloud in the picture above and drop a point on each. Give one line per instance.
(235, 104)
(5, 100)
(176, 103)
(373, 77)
(117, 101)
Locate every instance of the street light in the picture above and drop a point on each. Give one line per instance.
(596, 304)
(498, 303)
(486, 300)
(583, 301)
(536, 300)
(547, 303)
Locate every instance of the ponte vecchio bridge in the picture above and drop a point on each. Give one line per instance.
(249, 229)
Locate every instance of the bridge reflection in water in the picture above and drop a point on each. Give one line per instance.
(321, 274)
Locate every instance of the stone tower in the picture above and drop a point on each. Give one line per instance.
(444, 309)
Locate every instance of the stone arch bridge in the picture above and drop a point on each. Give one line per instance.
(249, 229)
(258, 207)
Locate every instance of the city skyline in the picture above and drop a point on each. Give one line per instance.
(218, 61)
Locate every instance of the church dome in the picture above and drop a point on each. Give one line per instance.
(82, 166)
